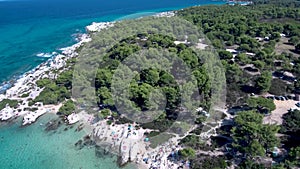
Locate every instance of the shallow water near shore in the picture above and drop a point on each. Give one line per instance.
(33, 147)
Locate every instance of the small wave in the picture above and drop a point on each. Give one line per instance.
(78, 36)
(46, 55)
(4, 87)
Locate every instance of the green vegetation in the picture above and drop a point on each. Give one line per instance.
(11, 103)
(187, 153)
(294, 40)
(225, 55)
(263, 83)
(281, 3)
(208, 162)
(254, 31)
(67, 108)
(192, 141)
(104, 113)
(154, 82)
(293, 159)
(238, 27)
(25, 95)
(261, 102)
(53, 94)
(65, 79)
(162, 138)
(291, 123)
(251, 137)
(43, 82)
(55, 91)
(291, 127)
(280, 88)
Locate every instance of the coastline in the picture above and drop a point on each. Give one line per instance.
(91, 105)
(26, 85)
(8, 84)
(50, 147)
(145, 158)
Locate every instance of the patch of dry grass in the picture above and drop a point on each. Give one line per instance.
(284, 46)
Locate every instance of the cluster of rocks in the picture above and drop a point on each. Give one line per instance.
(86, 141)
(53, 125)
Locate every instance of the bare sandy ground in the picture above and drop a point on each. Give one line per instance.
(282, 108)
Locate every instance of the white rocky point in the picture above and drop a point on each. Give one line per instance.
(73, 118)
(165, 14)
(96, 27)
(32, 116)
(6, 113)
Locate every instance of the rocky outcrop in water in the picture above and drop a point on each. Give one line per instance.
(80, 127)
(87, 141)
(53, 125)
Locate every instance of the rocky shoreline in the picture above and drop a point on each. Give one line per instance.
(128, 141)
(25, 89)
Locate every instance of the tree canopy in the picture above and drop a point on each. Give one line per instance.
(263, 83)
(261, 102)
(251, 137)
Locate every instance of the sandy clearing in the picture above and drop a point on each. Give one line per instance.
(282, 108)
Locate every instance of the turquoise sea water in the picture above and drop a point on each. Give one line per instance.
(30, 27)
(32, 147)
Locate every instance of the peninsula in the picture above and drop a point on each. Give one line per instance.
(231, 101)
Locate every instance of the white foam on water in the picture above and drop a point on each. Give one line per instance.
(46, 55)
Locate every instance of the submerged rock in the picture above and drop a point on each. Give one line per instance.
(88, 141)
(80, 127)
(79, 144)
(104, 151)
(86, 138)
(53, 125)
(99, 152)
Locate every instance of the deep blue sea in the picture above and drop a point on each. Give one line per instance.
(31, 27)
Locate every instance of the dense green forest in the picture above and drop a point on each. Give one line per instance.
(282, 3)
(178, 75)
(240, 27)
(256, 32)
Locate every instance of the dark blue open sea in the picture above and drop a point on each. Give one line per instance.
(31, 27)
